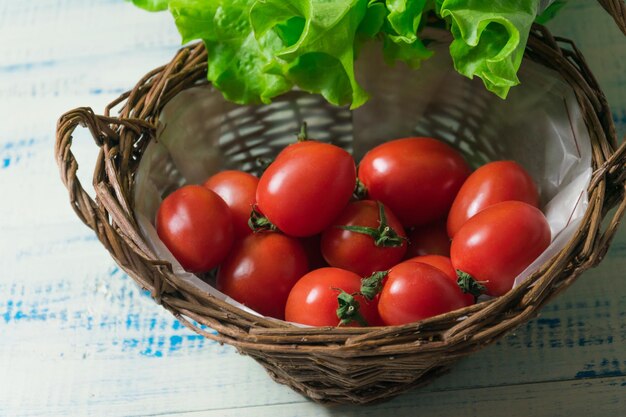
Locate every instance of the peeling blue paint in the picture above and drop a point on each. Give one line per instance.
(604, 369)
(551, 323)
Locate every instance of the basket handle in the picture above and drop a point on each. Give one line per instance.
(105, 132)
(617, 9)
(110, 206)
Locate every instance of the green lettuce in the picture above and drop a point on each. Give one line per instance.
(237, 59)
(489, 38)
(321, 60)
(400, 40)
(151, 5)
(259, 49)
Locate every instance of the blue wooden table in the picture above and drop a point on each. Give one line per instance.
(79, 338)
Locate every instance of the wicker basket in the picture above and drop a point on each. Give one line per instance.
(339, 365)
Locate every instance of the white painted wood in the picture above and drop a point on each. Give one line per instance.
(566, 398)
(79, 338)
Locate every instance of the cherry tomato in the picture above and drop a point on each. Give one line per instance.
(261, 270)
(380, 243)
(431, 239)
(306, 187)
(238, 190)
(417, 178)
(444, 264)
(499, 242)
(492, 183)
(414, 291)
(195, 224)
(313, 300)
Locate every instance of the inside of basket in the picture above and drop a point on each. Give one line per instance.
(540, 125)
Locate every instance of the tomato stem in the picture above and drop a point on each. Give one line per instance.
(372, 285)
(384, 236)
(259, 223)
(469, 285)
(263, 163)
(360, 190)
(304, 134)
(348, 310)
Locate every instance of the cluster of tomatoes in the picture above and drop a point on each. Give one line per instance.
(413, 234)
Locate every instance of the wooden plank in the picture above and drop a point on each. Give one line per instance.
(596, 397)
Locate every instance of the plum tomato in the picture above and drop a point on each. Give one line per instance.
(414, 291)
(196, 225)
(261, 270)
(498, 243)
(238, 190)
(492, 183)
(306, 187)
(365, 238)
(444, 264)
(417, 178)
(431, 239)
(324, 295)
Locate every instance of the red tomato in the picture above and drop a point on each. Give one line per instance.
(414, 291)
(490, 184)
(444, 264)
(417, 178)
(261, 270)
(499, 242)
(195, 224)
(238, 190)
(306, 187)
(313, 300)
(359, 252)
(431, 239)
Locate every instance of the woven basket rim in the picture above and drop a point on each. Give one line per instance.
(122, 140)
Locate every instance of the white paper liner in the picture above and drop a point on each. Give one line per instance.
(540, 125)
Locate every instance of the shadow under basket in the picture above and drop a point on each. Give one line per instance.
(333, 365)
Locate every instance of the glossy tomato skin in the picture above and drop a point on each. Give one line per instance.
(499, 242)
(417, 178)
(195, 224)
(355, 251)
(313, 300)
(415, 291)
(430, 239)
(306, 187)
(490, 184)
(444, 264)
(238, 190)
(261, 270)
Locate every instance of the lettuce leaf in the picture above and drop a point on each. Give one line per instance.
(236, 58)
(550, 12)
(259, 49)
(151, 5)
(400, 40)
(489, 38)
(321, 60)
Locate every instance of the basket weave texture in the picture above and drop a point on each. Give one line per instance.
(339, 365)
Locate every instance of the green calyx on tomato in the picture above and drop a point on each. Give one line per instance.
(259, 223)
(372, 285)
(303, 135)
(469, 285)
(360, 190)
(263, 163)
(348, 310)
(384, 236)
